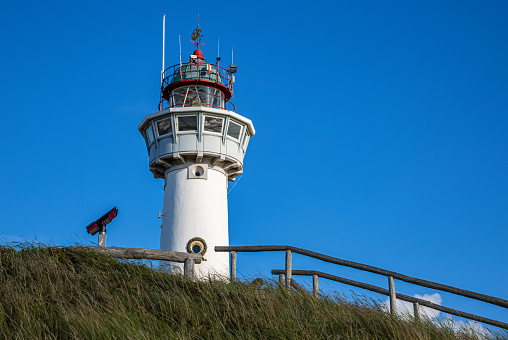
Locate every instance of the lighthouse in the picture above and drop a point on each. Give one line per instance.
(197, 143)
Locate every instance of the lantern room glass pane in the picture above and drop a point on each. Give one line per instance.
(179, 95)
(188, 123)
(203, 94)
(164, 126)
(218, 99)
(234, 130)
(213, 124)
(192, 98)
(195, 95)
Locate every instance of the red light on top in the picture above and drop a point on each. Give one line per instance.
(199, 54)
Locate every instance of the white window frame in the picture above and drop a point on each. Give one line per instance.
(148, 143)
(159, 136)
(242, 129)
(188, 132)
(245, 141)
(211, 132)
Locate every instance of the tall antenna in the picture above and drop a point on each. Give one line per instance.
(163, 47)
(161, 102)
(217, 59)
(232, 63)
(180, 44)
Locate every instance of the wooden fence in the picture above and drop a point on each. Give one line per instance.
(285, 277)
(187, 259)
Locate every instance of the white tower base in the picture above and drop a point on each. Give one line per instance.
(197, 150)
(195, 205)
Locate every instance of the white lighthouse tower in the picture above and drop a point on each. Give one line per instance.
(197, 145)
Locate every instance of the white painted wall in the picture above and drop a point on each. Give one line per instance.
(196, 207)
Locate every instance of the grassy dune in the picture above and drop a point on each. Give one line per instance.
(61, 293)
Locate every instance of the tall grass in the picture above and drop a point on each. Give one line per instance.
(60, 293)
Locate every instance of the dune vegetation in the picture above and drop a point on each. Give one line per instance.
(70, 293)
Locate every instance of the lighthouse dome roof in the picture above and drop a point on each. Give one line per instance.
(196, 69)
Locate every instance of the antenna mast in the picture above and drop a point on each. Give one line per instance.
(217, 60)
(161, 103)
(163, 47)
(180, 44)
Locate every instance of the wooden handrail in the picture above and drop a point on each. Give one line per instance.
(424, 283)
(142, 253)
(386, 292)
(187, 259)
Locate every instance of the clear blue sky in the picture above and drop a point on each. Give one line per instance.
(381, 129)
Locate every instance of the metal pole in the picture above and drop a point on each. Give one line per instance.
(102, 239)
(218, 59)
(393, 297)
(102, 236)
(180, 44)
(315, 285)
(416, 308)
(161, 99)
(233, 266)
(163, 47)
(188, 268)
(288, 269)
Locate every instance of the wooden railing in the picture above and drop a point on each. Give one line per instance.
(285, 277)
(187, 259)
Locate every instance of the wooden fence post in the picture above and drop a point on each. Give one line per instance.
(281, 279)
(288, 269)
(188, 268)
(393, 296)
(315, 285)
(233, 266)
(416, 308)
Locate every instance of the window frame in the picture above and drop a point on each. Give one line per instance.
(211, 132)
(242, 129)
(177, 125)
(145, 133)
(159, 136)
(245, 142)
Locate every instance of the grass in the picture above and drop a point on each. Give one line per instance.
(68, 293)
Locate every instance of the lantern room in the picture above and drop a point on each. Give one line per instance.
(198, 83)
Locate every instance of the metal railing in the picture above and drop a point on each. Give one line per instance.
(285, 276)
(198, 70)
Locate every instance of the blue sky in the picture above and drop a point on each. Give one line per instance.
(381, 130)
